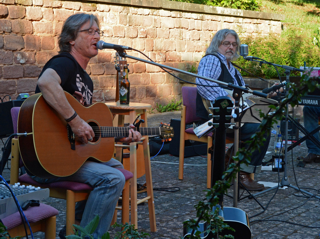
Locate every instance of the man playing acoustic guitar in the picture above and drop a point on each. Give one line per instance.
(66, 72)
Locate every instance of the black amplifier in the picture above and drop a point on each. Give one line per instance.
(6, 127)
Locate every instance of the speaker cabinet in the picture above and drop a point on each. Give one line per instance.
(192, 148)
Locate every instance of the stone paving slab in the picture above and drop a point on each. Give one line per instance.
(296, 215)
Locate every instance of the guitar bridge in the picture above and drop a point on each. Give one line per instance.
(71, 138)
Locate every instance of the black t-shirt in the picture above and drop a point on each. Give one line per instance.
(73, 77)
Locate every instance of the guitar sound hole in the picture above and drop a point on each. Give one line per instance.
(96, 130)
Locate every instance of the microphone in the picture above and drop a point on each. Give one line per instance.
(250, 58)
(274, 88)
(104, 45)
(244, 50)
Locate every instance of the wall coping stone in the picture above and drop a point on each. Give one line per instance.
(196, 8)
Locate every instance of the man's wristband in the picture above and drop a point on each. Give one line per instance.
(72, 117)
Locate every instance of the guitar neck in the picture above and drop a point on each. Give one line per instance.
(124, 131)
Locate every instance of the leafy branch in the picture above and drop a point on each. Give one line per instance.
(204, 208)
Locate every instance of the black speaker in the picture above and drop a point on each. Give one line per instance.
(6, 126)
(192, 148)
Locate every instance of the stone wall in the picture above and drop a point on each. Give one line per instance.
(172, 33)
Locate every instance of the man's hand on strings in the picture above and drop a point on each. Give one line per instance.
(134, 136)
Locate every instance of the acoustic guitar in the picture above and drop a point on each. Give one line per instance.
(50, 148)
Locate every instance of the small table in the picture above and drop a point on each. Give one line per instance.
(133, 109)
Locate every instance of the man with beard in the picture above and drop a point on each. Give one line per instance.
(216, 64)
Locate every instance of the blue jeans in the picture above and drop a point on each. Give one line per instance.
(246, 131)
(311, 117)
(107, 183)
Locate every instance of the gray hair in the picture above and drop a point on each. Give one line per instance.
(71, 28)
(218, 39)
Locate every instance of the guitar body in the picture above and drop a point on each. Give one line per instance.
(235, 218)
(46, 151)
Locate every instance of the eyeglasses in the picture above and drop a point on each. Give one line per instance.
(228, 44)
(91, 31)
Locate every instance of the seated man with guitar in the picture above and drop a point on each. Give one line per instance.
(66, 72)
(216, 64)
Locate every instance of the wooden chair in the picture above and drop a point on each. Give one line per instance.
(41, 218)
(188, 116)
(72, 192)
(139, 156)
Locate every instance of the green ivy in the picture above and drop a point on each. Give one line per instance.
(238, 4)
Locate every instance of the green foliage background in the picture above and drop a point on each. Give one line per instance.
(238, 4)
(292, 49)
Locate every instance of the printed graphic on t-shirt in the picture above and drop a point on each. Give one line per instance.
(84, 89)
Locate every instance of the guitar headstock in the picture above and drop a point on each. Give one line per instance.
(166, 132)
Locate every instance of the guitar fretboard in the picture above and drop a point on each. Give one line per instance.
(124, 131)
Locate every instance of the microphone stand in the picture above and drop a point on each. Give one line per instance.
(237, 94)
(285, 179)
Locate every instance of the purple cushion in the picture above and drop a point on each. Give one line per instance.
(33, 214)
(127, 174)
(67, 185)
(189, 96)
(190, 131)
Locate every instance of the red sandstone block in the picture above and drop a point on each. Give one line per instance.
(50, 3)
(181, 46)
(16, 12)
(176, 34)
(139, 67)
(164, 90)
(13, 42)
(103, 8)
(12, 72)
(42, 57)
(3, 11)
(72, 5)
(38, 3)
(173, 56)
(158, 45)
(22, 26)
(7, 2)
(138, 44)
(131, 32)
(191, 24)
(7, 87)
(163, 33)
(195, 35)
(151, 91)
(140, 92)
(61, 14)
(145, 78)
(6, 57)
(32, 42)
(0, 72)
(213, 26)
(118, 31)
(43, 27)
(142, 32)
(133, 92)
(95, 80)
(110, 94)
(24, 2)
(135, 20)
(26, 85)
(110, 69)
(108, 81)
(33, 13)
(147, 21)
(58, 28)
(47, 43)
(123, 19)
(160, 56)
(152, 68)
(198, 25)
(31, 71)
(169, 45)
(21, 57)
(158, 78)
(1, 42)
(184, 23)
(5, 26)
(88, 7)
(151, 33)
(104, 57)
(149, 44)
(135, 79)
(97, 69)
(167, 22)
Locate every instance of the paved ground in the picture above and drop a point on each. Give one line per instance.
(288, 213)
